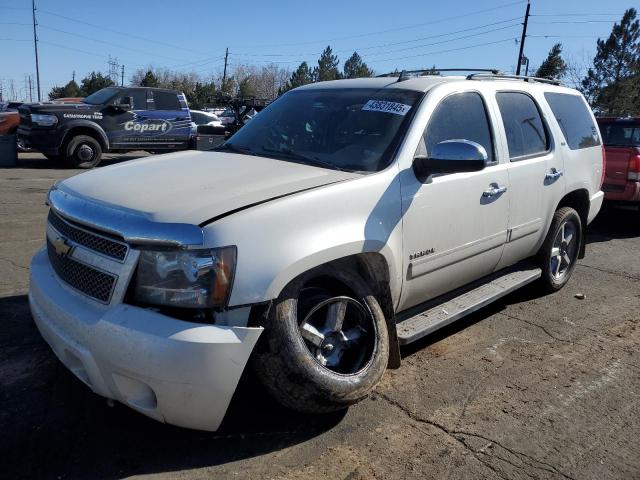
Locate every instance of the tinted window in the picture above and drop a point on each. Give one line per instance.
(460, 116)
(101, 96)
(166, 101)
(575, 120)
(523, 125)
(139, 99)
(621, 134)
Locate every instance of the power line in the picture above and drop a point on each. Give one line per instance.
(510, 39)
(239, 56)
(406, 27)
(138, 37)
(392, 44)
(106, 42)
(577, 15)
(72, 48)
(557, 22)
(443, 41)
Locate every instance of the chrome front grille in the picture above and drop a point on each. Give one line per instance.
(86, 279)
(97, 243)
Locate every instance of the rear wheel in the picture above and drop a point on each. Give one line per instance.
(325, 344)
(83, 151)
(559, 252)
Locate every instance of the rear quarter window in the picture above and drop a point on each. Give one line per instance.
(574, 119)
(166, 101)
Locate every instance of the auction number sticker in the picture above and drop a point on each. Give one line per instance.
(386, 107)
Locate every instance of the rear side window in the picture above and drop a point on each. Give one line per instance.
(139, 99)
(621, 134)
(460, 116)
(526, 134)
(166, 101)
(574, 119)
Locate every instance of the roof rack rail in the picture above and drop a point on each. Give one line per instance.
(406, 74)
(500, 76)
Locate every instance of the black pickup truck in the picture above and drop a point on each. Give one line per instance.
(114, 119)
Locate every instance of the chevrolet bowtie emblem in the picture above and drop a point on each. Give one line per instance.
(61, 246)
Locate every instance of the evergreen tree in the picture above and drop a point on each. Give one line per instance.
(302, 76)
(56, 92)
(202, 94)
(554, 66)
(612, 84)
(71, 89)
(150, 80)
(355, 67)
(327, 68)
(94, 82)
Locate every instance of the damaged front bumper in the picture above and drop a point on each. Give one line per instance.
(174, 371)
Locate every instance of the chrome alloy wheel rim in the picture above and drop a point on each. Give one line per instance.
(340, 334)
(563, 252)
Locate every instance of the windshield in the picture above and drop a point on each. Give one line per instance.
(346, 129)
(621, 134)
(101, 96)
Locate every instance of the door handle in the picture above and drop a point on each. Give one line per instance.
(553, 174)
(494, 190)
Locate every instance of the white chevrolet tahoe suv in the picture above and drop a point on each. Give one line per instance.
(347, 219)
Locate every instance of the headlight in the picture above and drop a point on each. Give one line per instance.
(44, 120)
(186, 278)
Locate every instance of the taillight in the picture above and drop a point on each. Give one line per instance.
(634, 168)
(604, 166)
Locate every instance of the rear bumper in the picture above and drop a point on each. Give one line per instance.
(629, 192)
(176, 372)
(595, 204)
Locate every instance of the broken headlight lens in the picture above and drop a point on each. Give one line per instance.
(186, 278)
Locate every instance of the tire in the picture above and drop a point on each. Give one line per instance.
(83, 151)
(557, 256)
(53, 158)
(299, 372)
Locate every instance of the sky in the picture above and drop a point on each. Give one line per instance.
(191, 36)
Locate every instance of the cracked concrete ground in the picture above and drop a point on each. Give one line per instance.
(540, 387)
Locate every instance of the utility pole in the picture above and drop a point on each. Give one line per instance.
(224, 74)
(30, 91)
(35, 44)
(524, 35)
(122, 77)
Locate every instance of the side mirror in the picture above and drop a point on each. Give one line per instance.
(450, 156)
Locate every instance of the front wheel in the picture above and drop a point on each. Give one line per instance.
(325, 344)
(559, 252)
(83, 151)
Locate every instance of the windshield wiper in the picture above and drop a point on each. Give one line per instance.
(231, 147)
(315, 161)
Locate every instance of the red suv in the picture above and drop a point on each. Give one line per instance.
(621, 138)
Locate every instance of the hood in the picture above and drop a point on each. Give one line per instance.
(46, 107)
(195, 187)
